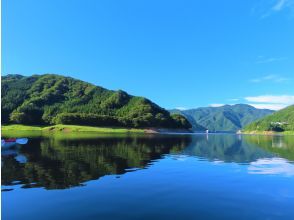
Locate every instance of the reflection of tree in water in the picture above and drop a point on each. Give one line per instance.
(58, 164)
(282, 146)
(227, 148)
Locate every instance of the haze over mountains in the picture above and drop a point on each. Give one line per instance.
(224, 118)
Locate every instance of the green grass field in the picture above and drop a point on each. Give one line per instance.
(25, 130)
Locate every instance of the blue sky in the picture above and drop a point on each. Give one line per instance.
(177, 53)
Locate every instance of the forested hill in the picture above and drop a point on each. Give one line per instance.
(280, 121)
(54, 99)
(224, 118)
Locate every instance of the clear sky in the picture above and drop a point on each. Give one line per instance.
(177, 53)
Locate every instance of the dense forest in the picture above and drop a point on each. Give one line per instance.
(53, 99)
(280, 121)
(223, 118)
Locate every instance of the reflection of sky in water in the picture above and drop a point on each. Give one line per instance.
(262, 166)
(271, 166)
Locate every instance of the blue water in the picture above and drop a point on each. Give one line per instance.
(150, 177)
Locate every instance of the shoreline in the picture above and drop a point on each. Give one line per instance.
(8, 130)
(268, 133)
(69, 129)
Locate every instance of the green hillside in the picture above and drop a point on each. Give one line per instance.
(280, 121)
(53, 99)
(224, 118)
(190, 118)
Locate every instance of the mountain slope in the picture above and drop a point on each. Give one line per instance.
(282, 120)
(190, 118)
(55, 99)
(224, 118)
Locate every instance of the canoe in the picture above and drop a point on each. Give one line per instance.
(6, 143)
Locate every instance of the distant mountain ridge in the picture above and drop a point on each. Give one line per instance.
(55, 99)
(282, 120)
(224, 118)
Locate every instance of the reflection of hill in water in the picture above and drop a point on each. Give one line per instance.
(282, 146)
(57, 164)
(227, 148)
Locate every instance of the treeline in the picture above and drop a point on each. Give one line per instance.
(104, 120)
(53, 99)
(176, 121)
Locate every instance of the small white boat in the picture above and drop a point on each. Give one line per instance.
(7, 143)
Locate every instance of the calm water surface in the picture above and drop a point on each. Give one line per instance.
(150, 177)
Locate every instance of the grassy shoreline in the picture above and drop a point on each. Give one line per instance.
(268, 133)
(17, 130)
(6, 129)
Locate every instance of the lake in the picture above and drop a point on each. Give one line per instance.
(215, 176)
